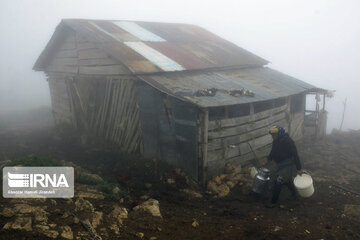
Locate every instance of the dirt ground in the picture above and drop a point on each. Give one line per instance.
(334, 164)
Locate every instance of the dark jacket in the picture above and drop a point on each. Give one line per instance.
(283, 149)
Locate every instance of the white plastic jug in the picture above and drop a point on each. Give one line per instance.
(304, 185)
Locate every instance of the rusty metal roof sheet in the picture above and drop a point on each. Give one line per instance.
(148, 47)
(264, 82)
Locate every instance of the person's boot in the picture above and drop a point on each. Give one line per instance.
(275, 196)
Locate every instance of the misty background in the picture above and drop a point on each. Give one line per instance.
(316, 41)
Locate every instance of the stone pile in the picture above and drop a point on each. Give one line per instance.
(221, 185)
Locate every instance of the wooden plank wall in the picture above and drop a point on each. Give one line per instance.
(105, 108)
(112, 111)
(60, 101)
(237, 140)
(297, 118)
(297, 126)
(76, 55)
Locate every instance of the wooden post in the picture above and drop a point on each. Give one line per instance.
(288, 113)
(343, 115)
(205, 144)
(317, 116)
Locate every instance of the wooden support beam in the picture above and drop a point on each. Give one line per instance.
(205, 144)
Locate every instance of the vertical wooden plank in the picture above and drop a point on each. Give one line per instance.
(288, 114)
(149, 120)
(252, 111)
(205, 140)
(167, 139)
(184, 117)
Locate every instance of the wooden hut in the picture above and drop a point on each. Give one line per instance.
(174, 92)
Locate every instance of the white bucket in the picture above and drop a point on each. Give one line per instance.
(304, 185)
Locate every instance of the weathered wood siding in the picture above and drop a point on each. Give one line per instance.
(169, 128)
(110, 107)
(75, 55)
(184, 121)
(60, 100)
(105, 108)
(238, 140)
(297, 116)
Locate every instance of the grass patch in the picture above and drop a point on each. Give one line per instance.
(88, 179)
(35, 161)
(111, 191)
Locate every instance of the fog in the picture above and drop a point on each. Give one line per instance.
(315, 41)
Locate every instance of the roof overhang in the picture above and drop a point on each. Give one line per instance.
(263, 82)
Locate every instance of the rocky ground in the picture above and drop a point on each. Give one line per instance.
(126, 197)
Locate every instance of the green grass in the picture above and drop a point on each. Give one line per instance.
(35, 161)
(87, 179)
(105, 187)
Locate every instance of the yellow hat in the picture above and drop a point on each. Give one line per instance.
(277, 130)
(274, 130)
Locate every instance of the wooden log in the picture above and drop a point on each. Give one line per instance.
(242, 120)
(231, 131)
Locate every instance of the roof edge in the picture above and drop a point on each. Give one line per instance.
(55, 38)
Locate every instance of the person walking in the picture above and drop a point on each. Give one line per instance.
(286, 158)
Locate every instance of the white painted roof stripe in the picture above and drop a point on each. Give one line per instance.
(155, 56)
(139, 31)
(104, 31)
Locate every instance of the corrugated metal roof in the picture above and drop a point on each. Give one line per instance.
(147, 47)
(264, 82)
